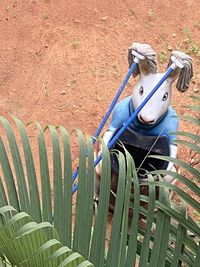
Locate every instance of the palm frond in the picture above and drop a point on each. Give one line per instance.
(17, 232)
(38, 212)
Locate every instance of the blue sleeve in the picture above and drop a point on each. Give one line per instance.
(166, 126)
(172, 125)
(120, 114)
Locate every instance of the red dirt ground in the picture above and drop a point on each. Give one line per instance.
(61, 62)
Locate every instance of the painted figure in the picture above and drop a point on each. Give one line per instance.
(157, 121)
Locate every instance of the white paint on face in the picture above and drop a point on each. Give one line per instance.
(160, 101)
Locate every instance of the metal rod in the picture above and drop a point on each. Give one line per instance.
(104, 120)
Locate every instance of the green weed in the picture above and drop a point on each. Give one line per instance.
(188, 44)
(75, 43)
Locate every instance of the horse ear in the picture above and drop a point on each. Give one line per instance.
(148, 64)
(184, 74)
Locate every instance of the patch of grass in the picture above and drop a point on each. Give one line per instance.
(101, 71)
(73, 82)
(150, 14)
(197, 25)
(45, 17)
(162, 56)
(75, 43)
(194, 49)
(132, 13)
(150, 18)
(115, 71)
(188, 44)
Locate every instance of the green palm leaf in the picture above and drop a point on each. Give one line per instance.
(67, 196)
(84, 204)
(191, 119)
(16, 233)
(44, 177)
(193, 137)
(194, 172)
(145, 248)
(132, 248)
(194, 108)
(99, 234)
(116, 227)
(31, 173)
(23, 201)
(56, 229)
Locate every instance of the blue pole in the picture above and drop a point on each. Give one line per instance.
(112, 105)
(130, 71)
(133, 116)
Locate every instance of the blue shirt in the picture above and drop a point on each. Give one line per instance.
(166, 124)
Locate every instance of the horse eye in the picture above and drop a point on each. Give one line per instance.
(141, 91)
(165, 97)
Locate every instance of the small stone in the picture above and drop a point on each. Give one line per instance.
(104, 18)
(68, 84)
(76, 108)
(46, 45)
(63, 92)
(196, 90)
(170, 48)
(173, 34)
(45, 17)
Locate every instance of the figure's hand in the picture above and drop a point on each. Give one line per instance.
(107, 137)
(171, 166)
(184, 72)
(173, 154)
(148, 64)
